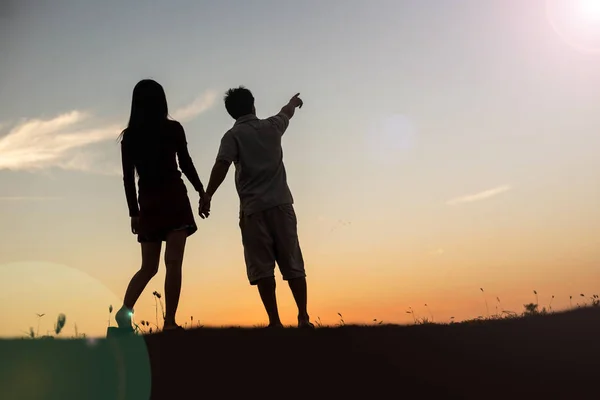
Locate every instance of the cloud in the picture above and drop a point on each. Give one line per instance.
(37, 143)
(198, 106)
(479, 196)
(68, 141)
(92, 161)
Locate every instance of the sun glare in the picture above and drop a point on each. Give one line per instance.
(577, 22)
(590, 10)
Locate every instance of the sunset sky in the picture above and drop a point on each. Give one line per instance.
(443, 147)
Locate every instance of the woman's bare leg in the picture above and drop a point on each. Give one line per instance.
(149, 268)
(174, 262)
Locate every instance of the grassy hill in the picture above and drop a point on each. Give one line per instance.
(554, 356)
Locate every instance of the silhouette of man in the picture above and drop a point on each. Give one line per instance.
(267, 219)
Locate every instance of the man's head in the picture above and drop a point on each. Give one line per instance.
(239, 102)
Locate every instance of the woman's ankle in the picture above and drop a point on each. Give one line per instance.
(124, 307)
(303, 317)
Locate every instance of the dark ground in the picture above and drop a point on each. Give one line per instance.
(540, 357)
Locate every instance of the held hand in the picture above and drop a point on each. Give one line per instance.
(135, 223)
(204, 207)
(296, 101)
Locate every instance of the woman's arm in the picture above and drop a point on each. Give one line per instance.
(129, 181)
(185, 161)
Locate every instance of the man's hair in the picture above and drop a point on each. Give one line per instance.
(239, 102)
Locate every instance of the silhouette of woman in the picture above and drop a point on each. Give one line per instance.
(149, 146)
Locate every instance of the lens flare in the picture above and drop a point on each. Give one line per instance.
(589, 10)
(577, 22)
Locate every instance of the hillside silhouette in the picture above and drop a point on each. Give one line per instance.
(539, 356)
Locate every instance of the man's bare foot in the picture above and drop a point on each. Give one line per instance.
(172, 327)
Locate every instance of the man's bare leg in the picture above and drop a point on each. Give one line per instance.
(299, 290)
(266, 288)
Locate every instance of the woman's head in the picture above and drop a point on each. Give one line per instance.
(148, 105)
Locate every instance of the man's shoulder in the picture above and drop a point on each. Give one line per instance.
(278, 122)
(230, 132)
(277, 118)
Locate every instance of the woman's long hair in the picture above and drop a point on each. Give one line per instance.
(148, 111)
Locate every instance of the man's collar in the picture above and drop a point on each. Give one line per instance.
(245, 118)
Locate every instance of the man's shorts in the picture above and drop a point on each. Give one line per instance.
(271, 236)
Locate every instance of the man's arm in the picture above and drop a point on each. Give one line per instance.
(290, 107)
(217, 176)
(228, 153)
(281, 121)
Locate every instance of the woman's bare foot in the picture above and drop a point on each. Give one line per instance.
(123, 318)
(305, 324)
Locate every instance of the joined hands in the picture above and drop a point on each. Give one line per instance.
(204, 206)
